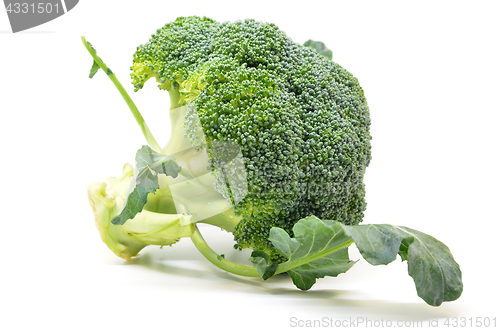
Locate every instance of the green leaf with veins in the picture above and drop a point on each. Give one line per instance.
(145, 181)
(319, 47)
(436, 275)
(318, 249)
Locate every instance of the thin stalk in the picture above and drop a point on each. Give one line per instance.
(137, 115)
(218, 260)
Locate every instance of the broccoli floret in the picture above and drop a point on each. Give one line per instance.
(301, 120)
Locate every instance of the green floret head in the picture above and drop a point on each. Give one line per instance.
(301, 120)
(174, 52)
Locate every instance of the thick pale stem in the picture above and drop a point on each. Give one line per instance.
(152, 228)
(225, 220)
(174, 98)
(177, 142)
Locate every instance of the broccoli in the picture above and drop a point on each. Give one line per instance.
(301, 120)
(270, 141)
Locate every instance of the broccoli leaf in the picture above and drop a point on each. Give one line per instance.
(95, 68)
(148, 165)
(263, 264)
(319, 249)
(319, 47)
(436, 275)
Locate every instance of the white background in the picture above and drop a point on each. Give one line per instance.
(430, 72)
